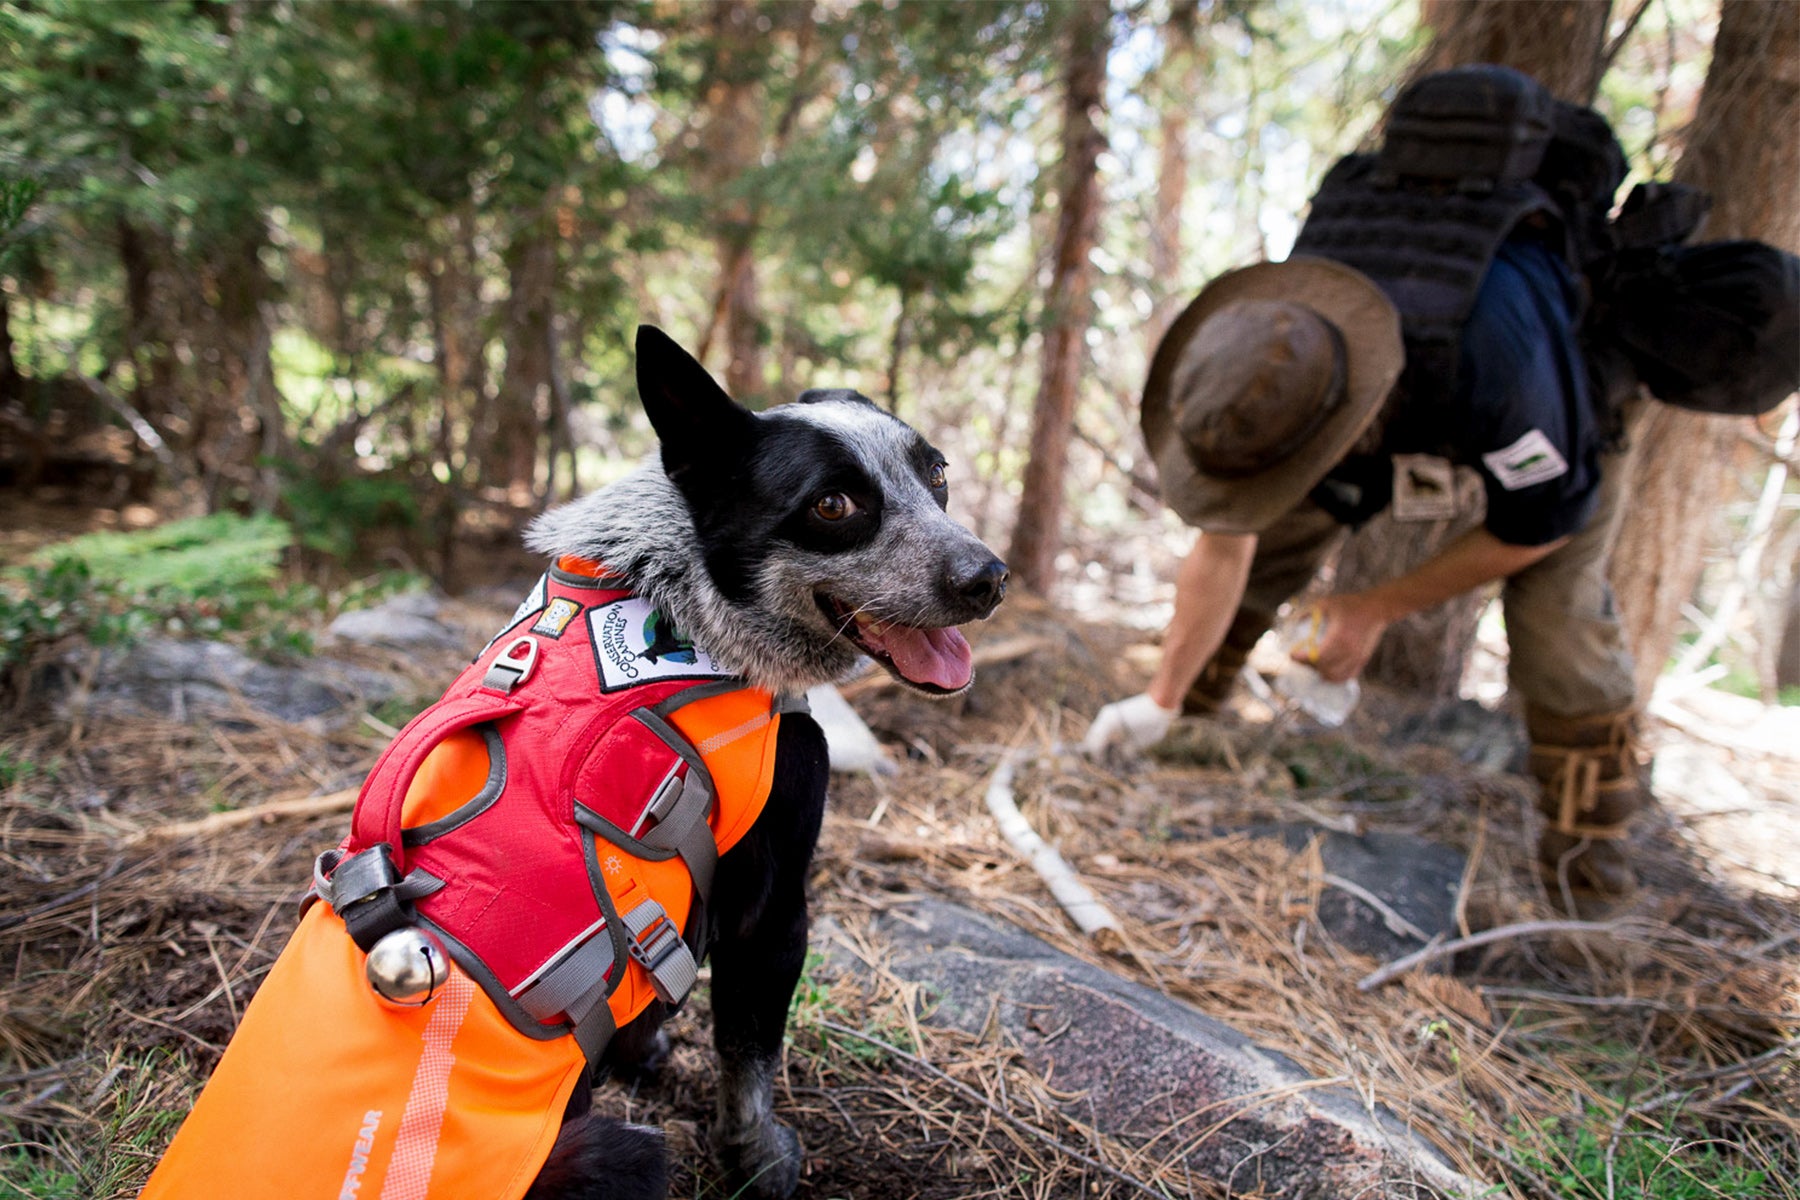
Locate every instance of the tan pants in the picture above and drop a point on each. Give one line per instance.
(1567, 650)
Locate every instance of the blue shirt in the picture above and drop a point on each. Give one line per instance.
(1527, 423)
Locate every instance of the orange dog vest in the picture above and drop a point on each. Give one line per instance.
(554, 822)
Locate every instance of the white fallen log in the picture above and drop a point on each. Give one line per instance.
(849, 742)
(1093, 918)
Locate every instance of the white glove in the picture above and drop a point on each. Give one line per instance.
(1129, 725)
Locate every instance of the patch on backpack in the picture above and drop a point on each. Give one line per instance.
(556, 617)
(634, 642)
(1531, 459)
(1424, 488)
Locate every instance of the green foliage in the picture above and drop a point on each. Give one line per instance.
(15, 768)
(52, 604)
(1585, 1160)
(206, 575)
(28, 1176)
(201, 557)
(814, 1002)
(16, 198)
(332, 517)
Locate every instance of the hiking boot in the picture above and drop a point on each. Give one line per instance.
(1592, 785)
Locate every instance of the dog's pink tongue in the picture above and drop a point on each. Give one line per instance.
(935, 656)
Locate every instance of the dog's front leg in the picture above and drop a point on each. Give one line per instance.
(760, 897)
(753, 983)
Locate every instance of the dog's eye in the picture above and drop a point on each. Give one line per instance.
(937, 478)
(834, 506)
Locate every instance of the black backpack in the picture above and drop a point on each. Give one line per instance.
(1483, 128)
(1713, 327)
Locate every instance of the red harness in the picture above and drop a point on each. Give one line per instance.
(620, 762)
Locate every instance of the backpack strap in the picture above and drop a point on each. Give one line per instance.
(378, 807)
(366, 881)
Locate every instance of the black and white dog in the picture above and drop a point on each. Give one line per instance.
(789, 543)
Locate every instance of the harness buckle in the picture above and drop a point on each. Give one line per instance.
(513, 665)
(343, 882)
(657, 946)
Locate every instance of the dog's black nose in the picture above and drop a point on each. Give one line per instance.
(984, 588)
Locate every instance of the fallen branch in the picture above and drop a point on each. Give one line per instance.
(219, 822)
(1439, 948)
(988, 654)
(1093, 918)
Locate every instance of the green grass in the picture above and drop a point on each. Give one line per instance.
(110, 1154)
(814, 1004)
(1645, 1163)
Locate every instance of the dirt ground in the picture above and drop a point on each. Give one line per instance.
(129, 956)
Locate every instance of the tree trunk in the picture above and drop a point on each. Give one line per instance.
(1069, 302)
(9, 371)
(146, 342)
(897, 350)
(521, 405)
(1735, 150)
(1180, 80)
(731, 144)
(1559, 42)
(241, 434)
(1787, 652)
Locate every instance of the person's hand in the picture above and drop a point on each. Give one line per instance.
(1127, 725)
(1348, 627)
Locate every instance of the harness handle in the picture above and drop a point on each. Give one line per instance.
(376, 817)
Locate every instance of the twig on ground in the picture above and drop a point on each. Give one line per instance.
(307, 806)
(86, 889)
(1439, 948)
(1091, 916)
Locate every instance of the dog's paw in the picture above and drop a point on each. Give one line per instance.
(767, 1167)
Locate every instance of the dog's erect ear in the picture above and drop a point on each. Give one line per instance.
(697, 423)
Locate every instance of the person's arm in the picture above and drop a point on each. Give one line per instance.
(1355, 621)
(1208, 589)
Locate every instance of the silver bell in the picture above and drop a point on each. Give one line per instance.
(407, 967)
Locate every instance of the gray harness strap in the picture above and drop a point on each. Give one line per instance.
(684, 830)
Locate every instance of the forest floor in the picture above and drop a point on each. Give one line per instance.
(1656, 1060)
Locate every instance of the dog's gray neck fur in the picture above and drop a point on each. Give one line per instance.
(640, 527)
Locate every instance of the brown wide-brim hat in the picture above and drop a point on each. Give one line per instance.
(1374, 355)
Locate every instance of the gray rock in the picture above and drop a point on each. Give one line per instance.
(1488, 740)
(401, 623)
(1144, 1066)
(1414, 879)
(180, 679)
